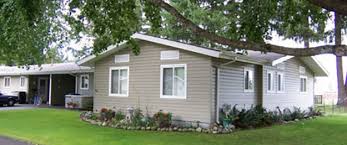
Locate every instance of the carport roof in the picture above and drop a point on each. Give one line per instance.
(45, 69)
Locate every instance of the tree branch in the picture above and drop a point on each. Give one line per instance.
(339, 50)
(338, 6)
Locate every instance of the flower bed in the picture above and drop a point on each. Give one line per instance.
(135, 120)
(230, 119)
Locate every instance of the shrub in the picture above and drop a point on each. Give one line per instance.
(107, 114)
(119, 115)
(137, 118)
(259, 117)
(163, 119)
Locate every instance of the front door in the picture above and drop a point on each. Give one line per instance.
(43, 90)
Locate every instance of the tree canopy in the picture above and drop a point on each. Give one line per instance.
(30, 28)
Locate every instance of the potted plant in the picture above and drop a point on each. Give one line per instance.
(227, 118)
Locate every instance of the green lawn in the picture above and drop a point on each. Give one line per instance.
(62, 127)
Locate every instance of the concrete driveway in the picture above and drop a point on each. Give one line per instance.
(8, 141)
(17, 107)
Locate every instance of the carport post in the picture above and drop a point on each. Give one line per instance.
(50, 90)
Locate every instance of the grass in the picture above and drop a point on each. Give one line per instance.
(62, 127)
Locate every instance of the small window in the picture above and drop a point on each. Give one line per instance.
(270, 81)
(119, 81)
(7, 82)
(22, 81)
(303, 84)
(302, 70)
(170, 54)
(121, 58)
(280, 82)
(84, 82)
(173, 81)
(248, 80)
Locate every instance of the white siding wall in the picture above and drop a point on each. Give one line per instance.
(91, 85)
(291, 96)
(15, 85)
(231, 86)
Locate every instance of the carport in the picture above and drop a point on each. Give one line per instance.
(51, 82)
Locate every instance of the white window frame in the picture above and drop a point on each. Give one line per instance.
(9, 85)
(127, 56)
(251, 71)
(20, 81)
(110, 82)
(162, 83)
(303, 77)
(81, 85)
(165, 55)
(282, 82)
(272, 85)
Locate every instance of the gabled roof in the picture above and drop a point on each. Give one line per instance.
(55, 68)
(89, 60)
(254, 57)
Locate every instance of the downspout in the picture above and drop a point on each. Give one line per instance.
(217, 84)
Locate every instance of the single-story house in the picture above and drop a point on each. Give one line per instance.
(193, 82)
(49, 81)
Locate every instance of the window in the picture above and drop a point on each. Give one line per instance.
(170, 54)
(22, 81)
(249, 80)
(270, 81)
(119, 81)
(121, 58)
(7, 81)
(84, 82)
(280, 82)
(303, 84)
(173, 81)
(302, 70)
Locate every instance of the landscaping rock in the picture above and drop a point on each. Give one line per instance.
(198, 129)
(148, 128)
(143, 128)
(175, 128)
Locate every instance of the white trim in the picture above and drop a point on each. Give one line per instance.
(282, 83)
(273, 82)
(50, 90)
(9, 85)
(244, 78)
(20, 81)
(118, 58)
(165, 55)
(81, 85)
(110, 81)
(303, 77)
(76, 84)
(217, 91)
(282, 59)
(161, 81)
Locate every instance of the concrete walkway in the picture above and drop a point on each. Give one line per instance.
(17, 107)
(8, 141)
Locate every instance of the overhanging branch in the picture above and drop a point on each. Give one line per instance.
(340, 50)
(338, 6)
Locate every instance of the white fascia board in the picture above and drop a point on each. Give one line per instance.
(187, 47)
(282, 59)
(109, 49)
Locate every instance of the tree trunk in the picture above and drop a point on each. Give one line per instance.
(341, 92)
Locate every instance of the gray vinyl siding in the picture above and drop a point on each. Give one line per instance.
(291, 96)
(144, 84)
(15, 85)
(88, 91)
(231, 85)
